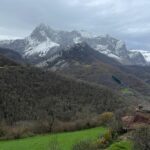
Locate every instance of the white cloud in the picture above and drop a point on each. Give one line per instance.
(97, 3)
(9, 37)
(137, 30)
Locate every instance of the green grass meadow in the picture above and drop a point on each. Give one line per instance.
(42, 142)
(122, 145)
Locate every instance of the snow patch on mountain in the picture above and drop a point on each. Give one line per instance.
(60, 65)
(104, 50)
(41, 48)
(52, 58)
(86, 34)
(145, 53)
(114, 56)
(47, 61)
(119, 44)
(100, 47)
(77, 40)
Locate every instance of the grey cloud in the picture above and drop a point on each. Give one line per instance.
(127, 20)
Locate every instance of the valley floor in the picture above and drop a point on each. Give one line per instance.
(66, 140)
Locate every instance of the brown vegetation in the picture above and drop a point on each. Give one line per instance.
(141, 138)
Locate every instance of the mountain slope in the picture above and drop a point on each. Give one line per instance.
(4, 61)
(11, 54)
(80, 53)
(145, 53)
(82, 62)
(28, 93)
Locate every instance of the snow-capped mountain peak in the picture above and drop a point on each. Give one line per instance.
(42, 32)
(40, 42)
(87, 34)
(40, 48)
(46, 42)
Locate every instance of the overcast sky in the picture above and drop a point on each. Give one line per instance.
(128, 20)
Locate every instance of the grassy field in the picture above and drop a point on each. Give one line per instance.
(66, 140)
(122, 145)
(127, 91)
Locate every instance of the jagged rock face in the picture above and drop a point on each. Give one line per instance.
(45, 43)
(110, 47)
(137, 58)
(121, 49)
(78, 54)
(145, 54)
(42, 32)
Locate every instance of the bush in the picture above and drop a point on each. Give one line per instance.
(2, 128)
(2, 131)
(17, 133)
(116, 126)
(84, 145)
(108, 136)
(141, 138)
(105, 118)
(113, 121)
(104, 140)
(60, 126)
(100, 143)
(41, 126)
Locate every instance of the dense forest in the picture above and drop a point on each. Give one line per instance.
(28, 93)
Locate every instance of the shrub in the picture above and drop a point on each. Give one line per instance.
(104, 140)
(141, 138)
(84, 145)
(2, 128)
(41, 126)
(60, 126)
(100, 143)
(17, 132)
(2, 132)
(105, 118)
(113, 121)
(116, 126)
(108, 136)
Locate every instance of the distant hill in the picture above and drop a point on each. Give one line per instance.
(4, 61)
(82, 62)
(11, 54)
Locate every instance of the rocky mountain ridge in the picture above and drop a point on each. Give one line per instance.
(44, 44)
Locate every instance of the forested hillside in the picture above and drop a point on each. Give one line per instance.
(28, 93)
